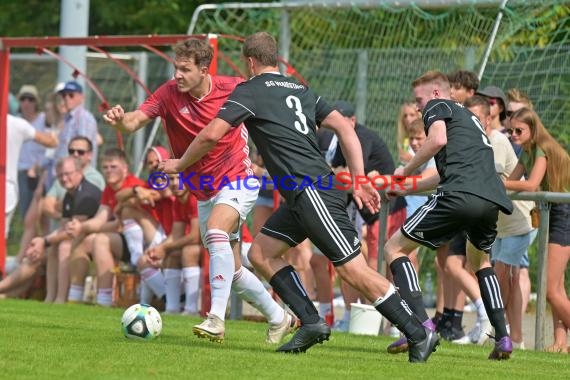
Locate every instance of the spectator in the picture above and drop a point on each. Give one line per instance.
(464, 84)
(19, 131)
(78, 120)
(30, 163)
(81, 201)
(545, 163)
(408, 113)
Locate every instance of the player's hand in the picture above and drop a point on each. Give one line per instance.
(168, 166)
(395, 193)
(114, 115)
(366, 195)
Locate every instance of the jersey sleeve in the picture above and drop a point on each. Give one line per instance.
(322, 110)
(436, 110)
(239, 106)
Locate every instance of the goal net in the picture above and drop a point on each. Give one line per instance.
(369, 52)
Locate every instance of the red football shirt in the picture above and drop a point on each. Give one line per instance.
(109, 195)
(185, 211)
(184, 116)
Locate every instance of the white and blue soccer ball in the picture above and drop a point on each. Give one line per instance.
(141, 321)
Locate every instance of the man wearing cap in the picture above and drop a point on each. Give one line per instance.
(33, 153)
(78, 120)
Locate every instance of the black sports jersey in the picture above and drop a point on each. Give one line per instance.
(466, 162)
(85, 200)
(281, 116)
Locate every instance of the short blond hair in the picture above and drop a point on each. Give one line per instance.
(434, 77)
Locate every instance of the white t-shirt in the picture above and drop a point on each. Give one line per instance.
(18, 131)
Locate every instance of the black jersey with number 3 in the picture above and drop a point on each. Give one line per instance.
(281, 117)
(466, 162)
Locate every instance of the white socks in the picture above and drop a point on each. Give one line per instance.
(248, 287)
(105, 297)
(133, 234)
(481, 312)
(191, 277)
(75, 293)
(221, 270)
(325, 308)
(154, 279)
(173, 291)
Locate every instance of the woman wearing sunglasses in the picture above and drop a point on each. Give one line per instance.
(545, 163)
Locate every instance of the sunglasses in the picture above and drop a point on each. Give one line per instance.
(67, 95)
(27, 98)
(492, 101)
(80, 152)
(515, 131)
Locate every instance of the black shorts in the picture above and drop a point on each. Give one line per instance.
(447, 214)
(458, 245)
(319, 215)
(126, 258)
(559, 224)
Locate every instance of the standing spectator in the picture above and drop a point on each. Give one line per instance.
(469, 198)
(29, 164)
(464, 84)
(186, 104)
(545, 163)
(408, 113)
(281, 118)
(78, 120)
(19, 131)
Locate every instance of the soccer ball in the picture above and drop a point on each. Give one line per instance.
(141, 321)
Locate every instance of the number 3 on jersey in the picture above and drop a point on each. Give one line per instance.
(484, 135)
(294, 103)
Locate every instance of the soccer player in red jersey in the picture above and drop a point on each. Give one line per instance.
(186, 105)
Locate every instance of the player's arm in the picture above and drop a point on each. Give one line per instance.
(75, 227)
(125, 121)
(363, 192)
(202, 144)
(436, 139)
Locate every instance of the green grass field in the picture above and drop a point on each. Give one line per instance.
(41, 341)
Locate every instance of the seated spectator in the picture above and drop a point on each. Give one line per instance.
(80, 202)
(105, 224)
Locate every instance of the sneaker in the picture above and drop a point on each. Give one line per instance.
(212, 328)
(419, 352)
(502, 350)
(276, 333)
(401, 345)
(477, 335)
(341, 326)
(307, 336)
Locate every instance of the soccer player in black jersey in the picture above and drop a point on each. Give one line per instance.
(281, 116)
(468, 199)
